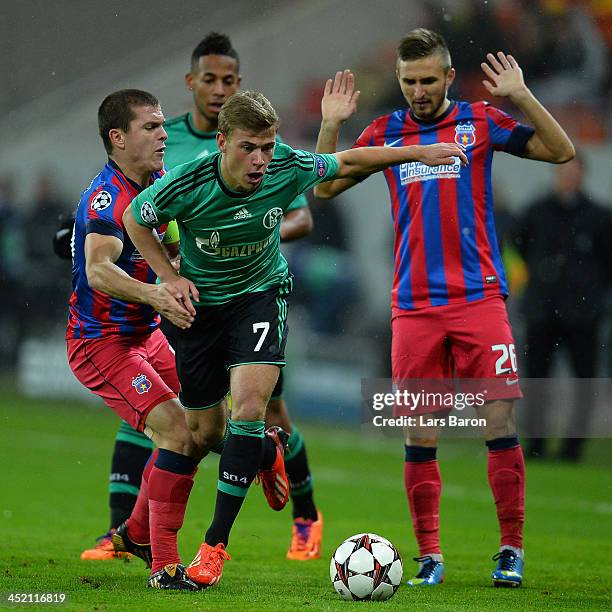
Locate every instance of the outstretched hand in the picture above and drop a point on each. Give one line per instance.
(340, 98)
(504, 73)
(441, 153)
(174, 302)
(165, 300)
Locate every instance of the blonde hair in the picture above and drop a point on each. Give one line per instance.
(247, 110)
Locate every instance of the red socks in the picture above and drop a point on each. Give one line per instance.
(160, 507)
(138, 523)
(168, 495)
(423, 488)
(506, 471)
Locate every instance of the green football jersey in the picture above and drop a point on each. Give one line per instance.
(230, 241)
(186, 143)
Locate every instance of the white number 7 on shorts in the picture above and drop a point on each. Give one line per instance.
(266, 328)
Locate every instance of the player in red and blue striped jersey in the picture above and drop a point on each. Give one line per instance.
(449, 285)
(115, 346)
(94, 314)
(446, 258)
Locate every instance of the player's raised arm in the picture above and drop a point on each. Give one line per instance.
(550, 143)
(339, 102)
(101, 253)
(151, 249)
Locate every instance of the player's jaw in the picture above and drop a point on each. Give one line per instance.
(157, 158)
(210, 109)
(426, 107)
(147, 160)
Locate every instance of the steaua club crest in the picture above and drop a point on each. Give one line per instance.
(465, 134)
(141, 383)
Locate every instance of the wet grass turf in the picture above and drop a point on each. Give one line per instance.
(54, 459)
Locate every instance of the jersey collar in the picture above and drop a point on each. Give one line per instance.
(113, 164)
(197, 133)
(443, 116)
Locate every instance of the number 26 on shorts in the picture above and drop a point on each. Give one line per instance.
(506, 362)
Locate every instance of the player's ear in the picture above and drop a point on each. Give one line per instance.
(450, 77)
(117, 138)
(239, 80)
(221, 141)
(189, 81)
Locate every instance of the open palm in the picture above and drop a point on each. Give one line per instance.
(504, 74)
(339, 100)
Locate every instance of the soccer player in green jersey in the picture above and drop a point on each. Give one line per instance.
(213, 77)
(232, 268)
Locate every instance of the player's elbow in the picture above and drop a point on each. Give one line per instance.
(94, 278)
(322, 192)
(305, 226)
(128, 217)
(562, 154)
(567, 154)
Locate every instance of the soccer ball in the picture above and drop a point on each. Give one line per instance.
(366, 566)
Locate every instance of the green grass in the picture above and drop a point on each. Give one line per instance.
(54, 462)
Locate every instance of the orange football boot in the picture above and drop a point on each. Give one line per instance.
(207, 566)
(275, 482)
(104, 550)
(306, 539)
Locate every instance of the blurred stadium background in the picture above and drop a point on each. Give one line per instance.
(61, 58)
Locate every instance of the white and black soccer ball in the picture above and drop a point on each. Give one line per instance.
(366, 566)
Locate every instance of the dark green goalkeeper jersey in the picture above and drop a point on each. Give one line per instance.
(186, 143)
(230, 242)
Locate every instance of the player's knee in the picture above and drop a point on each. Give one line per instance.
(427, 442)
(499, 430)
(180, 441)
(250, 408)
(207, 438)
(181, 437)
(499, 424)
(168, 421)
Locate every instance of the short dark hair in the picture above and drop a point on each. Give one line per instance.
(420, 43)
(117, 111)
(247, 110)
(214, 43)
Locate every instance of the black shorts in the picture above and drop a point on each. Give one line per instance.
(249, 329)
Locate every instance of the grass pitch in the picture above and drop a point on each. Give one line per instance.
(54, 460)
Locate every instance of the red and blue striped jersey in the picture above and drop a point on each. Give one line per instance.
(445, 245)
(93, 314)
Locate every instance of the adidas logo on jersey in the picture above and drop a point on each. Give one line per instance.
(243, 213)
